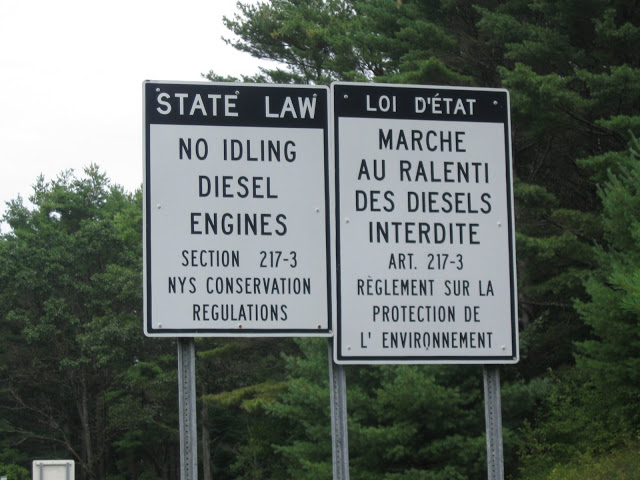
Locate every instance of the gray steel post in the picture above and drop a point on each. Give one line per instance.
(339, 434)
(187, 409)
(493, 420)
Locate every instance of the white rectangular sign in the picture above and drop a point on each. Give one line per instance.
(425, 243)
(54, 470)
(236, 210)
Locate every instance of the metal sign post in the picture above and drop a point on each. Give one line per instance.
(339, 430)
(493, 419)
(187, 409)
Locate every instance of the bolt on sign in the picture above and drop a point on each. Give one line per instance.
(236, 210)
(424, 225)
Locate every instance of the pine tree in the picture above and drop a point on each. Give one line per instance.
(575, 97)
(611, 360)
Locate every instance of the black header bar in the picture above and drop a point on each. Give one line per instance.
(416, 102)
(235, 104)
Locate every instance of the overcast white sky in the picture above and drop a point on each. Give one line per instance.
(71, 73)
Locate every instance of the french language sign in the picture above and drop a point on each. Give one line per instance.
(236, 210)
(424, 225)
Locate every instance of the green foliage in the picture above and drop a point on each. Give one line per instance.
(621, 464)
(250, 398)
(305, 410)
(410, 421)
(594, 408)
(71, 341)
(405, 422)
(306, 36)
(574, 424)
(14, 472)
(612, 358)
(574, 100)
(355, 40)
(238, 379)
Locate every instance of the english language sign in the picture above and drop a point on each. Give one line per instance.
(424, 225)
(236, 210)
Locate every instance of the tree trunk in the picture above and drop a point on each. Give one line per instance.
(102, 444)
(83, 411)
